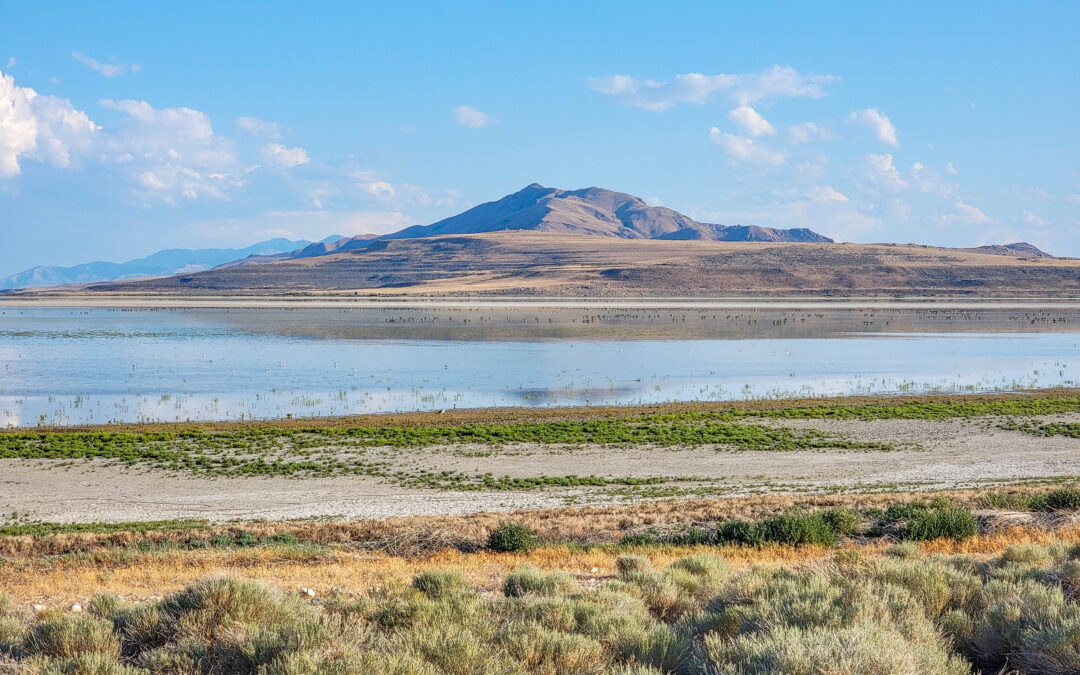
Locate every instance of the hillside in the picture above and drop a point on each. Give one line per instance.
(521, 262)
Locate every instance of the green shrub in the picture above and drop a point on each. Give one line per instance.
(441, 584)
(104, 605)
(798, 528)
(739, 532)
(1064, 499)
(952, 522)
(842, 520)
(512, 537)
(68, 636)
(530, 580)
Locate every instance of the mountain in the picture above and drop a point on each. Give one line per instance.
(1019, 248)
(591, 211)
(162, 263)
(515, 263)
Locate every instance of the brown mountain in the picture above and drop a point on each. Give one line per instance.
(591, 211)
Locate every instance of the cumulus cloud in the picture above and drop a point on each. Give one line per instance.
(172, 152)
(106, 69)
(806, 132)
(744, 149)
(964, 213)
(827, 193)
(1032, 219)
(468, 116)
(697, 88)
(40, 128)
(878, 122)
(258, 127)
(752, 121)
(277, 155)
(884, 173)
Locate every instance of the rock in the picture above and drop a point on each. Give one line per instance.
(310, 592)
(76, 608)
(594, 570)
(38, 608)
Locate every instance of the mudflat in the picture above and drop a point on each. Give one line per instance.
(887, 453)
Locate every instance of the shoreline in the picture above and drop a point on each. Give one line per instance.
(519, 415)
(321, 301)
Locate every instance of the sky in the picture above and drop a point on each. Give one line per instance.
(130, 127)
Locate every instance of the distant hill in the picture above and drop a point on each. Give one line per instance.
(524, 263)
(590, 211)
(1020, 248)
(162, 263)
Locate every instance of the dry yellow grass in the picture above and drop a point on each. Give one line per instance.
(59, 582)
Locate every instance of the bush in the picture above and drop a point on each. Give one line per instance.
(626, 564)
(70, 636)
(798, 528)
(530, 580)
(739, 532)
(842, 520)
(1064, 499)
(953, 522)
(512, 537)
(441, 584)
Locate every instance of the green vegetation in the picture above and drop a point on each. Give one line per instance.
(1045, 429)
(512, 537)
(888, 410)
(913, 521)
(375, 451)
(1062, 499)
(905, 612)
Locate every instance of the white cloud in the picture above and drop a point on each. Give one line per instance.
(1032, 219)
(697, 89)
(744, 149)
(378, 188)
(827, 193)
(172, 152)
(878, 122)
(11, 62)
(1072, 199)
(106, 69)
(884, 173)
(964, 213)
(277, 155)
(37, 127)
(467, 116)
(752, 121)
(806, 132)
(950, 169)
(258, 127)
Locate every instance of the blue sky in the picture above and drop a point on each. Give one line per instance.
(126, 128)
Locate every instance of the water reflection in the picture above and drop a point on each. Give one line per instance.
(92, 366)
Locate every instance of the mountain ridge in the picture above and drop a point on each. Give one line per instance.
(592, 211)
(161, 263)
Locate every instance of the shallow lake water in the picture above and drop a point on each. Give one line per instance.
(61, 366)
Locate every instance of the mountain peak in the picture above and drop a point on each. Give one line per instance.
(592, 211)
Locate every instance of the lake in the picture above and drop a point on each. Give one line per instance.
(79, 365)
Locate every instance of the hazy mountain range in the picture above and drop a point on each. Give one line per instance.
(589, 214)
(163, 263)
